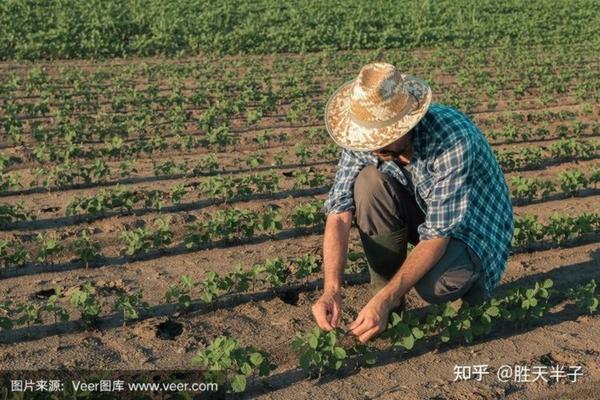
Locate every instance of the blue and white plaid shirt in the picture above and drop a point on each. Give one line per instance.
(458, 185)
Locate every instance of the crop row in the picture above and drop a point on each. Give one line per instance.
(268, 27)
(228, 363)
(227, 188)
(272, 274)
(222, 138)
(223, 189)
(257, 90)
(508, 63)
(71, 172)
(322, 352)
(232, 224)
(176, 114)
(559, 229)
(525, 189)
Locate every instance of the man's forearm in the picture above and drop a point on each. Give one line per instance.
(335, 246)
(423, 257)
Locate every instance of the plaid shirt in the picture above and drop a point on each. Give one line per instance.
(458, 185)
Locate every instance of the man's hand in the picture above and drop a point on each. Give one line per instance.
(327, 310)
(371, 320)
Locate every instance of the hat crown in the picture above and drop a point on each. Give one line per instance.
(378, 94)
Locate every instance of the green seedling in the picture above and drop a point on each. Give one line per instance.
(526, 231)
(182, 292)
(272, 221)
(306, 265)
(48, 247)
(308, 214)
(226, 362)
(403, 330)
(276, 271)
(52, 307)
(584, 297)
(572, 181)
(12, 253)
(319, 352)
(84, 299)
(132, 306)
(85, 248)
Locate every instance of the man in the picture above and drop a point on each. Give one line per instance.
(411, 172)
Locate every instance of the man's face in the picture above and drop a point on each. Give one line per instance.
(393, 150)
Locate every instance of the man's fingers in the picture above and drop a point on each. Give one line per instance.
(357, 321)
(320, 313)
(362, 328)
(335, 315)
(368, 334)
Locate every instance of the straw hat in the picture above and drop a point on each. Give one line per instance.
(377, 108)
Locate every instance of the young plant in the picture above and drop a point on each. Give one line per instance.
(7, 310)
(226, 362)
(132, 306)
(239, 280)
(212, 287)
(308, 214)
(182, 292)
(572, 181)
(306, 265)
(12, 253)
(584, 297)
(272, 221)
(31, 314)
(277, 272)
(526, 231)
(319, 352)
(521, 303)
(48, 247)
(84, 299)
(403, 330)
(85, 249)
(52, 307)
(136, 242)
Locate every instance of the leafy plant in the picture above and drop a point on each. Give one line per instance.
(48, 247)
(319, 352)
(572, 181)
(52, 307)
(226, 362)
(308, 214)
(584, 297)
(84, 299)
(131, 305)
(305, 266)
(85, 248)
(182, 292)
(403, 330)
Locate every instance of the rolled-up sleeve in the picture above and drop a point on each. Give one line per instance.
(448, 201)
(341, 194)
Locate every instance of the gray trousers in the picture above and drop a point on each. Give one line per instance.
(387, 216)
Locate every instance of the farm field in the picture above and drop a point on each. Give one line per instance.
(150, 205)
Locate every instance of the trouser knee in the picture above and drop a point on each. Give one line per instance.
(457, 273)
(376, 202)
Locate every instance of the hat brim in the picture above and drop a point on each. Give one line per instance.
(352, 136)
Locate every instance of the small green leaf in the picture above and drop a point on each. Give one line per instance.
(408, 342)
(256, 358)
(340, 353)
(238, 384)
(417, 333)
(493, 311)
(547, 284)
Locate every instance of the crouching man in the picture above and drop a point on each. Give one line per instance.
(411, 171)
